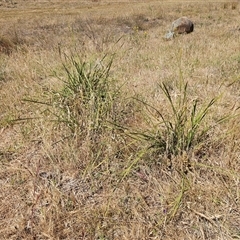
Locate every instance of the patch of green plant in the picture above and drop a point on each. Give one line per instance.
(183, 129)
(87, 98)
(86, 101)
(180, 129)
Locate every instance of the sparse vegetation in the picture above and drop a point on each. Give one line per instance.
(179, 131)
(110, 132)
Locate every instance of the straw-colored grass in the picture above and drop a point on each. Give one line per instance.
(108, 131)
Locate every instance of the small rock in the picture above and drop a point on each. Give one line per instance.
(180, 26)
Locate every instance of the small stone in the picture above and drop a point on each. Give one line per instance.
(180, 26)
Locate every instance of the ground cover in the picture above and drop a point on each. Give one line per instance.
(108, 131)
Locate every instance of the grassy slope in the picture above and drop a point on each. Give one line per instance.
(55, 185)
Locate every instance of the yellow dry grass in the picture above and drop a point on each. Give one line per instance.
(59, 185)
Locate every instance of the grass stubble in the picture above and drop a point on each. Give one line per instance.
(110, 132)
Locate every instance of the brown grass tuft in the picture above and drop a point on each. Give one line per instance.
(6, 45)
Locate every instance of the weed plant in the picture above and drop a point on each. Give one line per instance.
(86, 100)
(88, 95)
(181, 129)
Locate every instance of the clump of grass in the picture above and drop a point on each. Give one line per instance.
(87, 97)
(86, 104)
(86, 110)
(6, 45)
(11, 41)
(181, 130)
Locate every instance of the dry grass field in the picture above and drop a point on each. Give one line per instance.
(108, 131)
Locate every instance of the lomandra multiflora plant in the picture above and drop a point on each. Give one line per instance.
(172, 132)
(85, 103)
(179, 129)
(184, 129)
(86, 100)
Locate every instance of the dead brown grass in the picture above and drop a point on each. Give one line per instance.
(59, 184)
